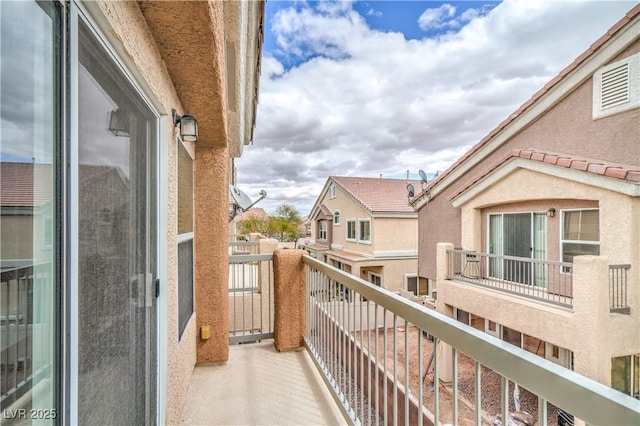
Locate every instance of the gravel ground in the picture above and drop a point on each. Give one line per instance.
(491, 382)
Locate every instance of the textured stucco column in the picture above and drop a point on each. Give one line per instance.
(441, 274)
(289, 299)
(591, 307)
(211, 252)
(445, 359)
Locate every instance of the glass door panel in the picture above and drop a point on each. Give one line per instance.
(517, 242)
(116, 236)
(29, 210)
(540, 271)
(519, 235)
(495, 245)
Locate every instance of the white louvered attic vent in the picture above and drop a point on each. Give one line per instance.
(616, 87)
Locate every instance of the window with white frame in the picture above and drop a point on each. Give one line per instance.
(332, 191)
(375, 279)
(364, 230)
(322, 230)
(336, 217)
(411, 284)
(351, 230)
(580, 233)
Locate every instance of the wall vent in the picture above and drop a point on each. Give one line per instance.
(616, 87)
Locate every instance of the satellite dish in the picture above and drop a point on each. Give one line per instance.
(423, 175)
(242, 200)
(411, 191)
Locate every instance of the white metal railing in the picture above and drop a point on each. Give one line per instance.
(24, 340)
(388, 360)
(243, 247)
(545, 280)
(618, 288)
(250, 297)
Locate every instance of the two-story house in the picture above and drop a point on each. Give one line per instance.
(364, 226)
(541, 219)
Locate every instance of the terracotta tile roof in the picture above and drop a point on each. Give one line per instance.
(597, 167)
(25, 184)
(378, 194)
(631, 15)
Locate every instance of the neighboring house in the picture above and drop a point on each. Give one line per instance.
(545, 215)
(25, 214)
(255, 213)
(304, 228)
(109, 266)
(365, 226)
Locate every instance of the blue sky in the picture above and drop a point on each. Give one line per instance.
(386, 16)
(370, 88)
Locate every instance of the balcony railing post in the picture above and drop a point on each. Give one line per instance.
(289, 299)
(442, 266)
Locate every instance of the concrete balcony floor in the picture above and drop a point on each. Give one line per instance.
(260, 386)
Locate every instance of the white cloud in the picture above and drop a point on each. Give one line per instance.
(365, 102)
(439, 17)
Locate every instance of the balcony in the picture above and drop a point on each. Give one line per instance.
(385, 359)
(542, 280)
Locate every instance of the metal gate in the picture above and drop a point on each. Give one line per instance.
(250, 298)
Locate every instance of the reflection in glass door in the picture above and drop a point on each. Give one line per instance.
(117, 247)
(518, 235)
(29, 211)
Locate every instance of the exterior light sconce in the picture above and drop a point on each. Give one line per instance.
(119, 123)
(551, 212)
(188, 126)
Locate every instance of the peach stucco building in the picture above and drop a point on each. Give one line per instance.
(364, 226)
(534, 234)
(105, 292)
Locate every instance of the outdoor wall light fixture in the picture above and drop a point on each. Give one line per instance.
(188, 126)
(119, 123)
(551, 212)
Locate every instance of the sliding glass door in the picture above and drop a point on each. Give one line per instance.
(520, 235)
(117, 244)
